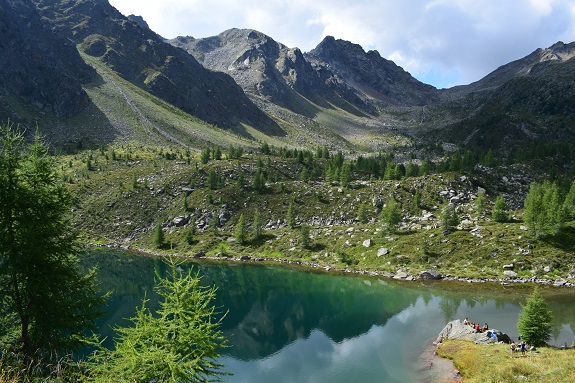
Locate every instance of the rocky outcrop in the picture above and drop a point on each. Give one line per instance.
(367, 75)
(458, 330)
(37, 65)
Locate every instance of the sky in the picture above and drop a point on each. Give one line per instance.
(440, 42)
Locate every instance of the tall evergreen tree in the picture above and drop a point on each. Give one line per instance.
(291, 216)
(535, 319)
(257, 225)
(544, 210)
(481, 203)
(159, 239)
(362, 214)
(391, 215)
(449, 218)
(47, 304)
(304, 236)
(241, 230)
(499, 212)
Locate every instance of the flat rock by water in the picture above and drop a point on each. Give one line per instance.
(458, 330)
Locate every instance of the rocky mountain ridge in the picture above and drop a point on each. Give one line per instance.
(244, 81)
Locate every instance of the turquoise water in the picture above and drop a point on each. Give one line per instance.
(287, 325)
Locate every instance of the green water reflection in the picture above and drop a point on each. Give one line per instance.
(289, 325)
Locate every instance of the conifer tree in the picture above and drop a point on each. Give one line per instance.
(291, 216)
(480, 203)
(304, 236)
(241, 230)
(362, 214)
(391, 216)
(190, 234)
(257, 225)
(180, 341)
(535, 319)
(449, 218)
(47, 304)
(499, 212)
(159, 239)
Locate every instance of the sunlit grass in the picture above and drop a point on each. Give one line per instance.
(493, 363)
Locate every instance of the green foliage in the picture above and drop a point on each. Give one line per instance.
(481, 203)
(134, 181)
(499, 212)
(347, 259)
(215, 224)
(291, 216)
(362, 214)
(345, 174)
(544, 211)
(535, 319)
(215, 181)
(205, 156)
(569, 203)
(417, 201)
(257, 225)
(47, 304)
(391, 215)
(190, 234)
(259, 182)
(159, 239)
(449, 218)
(241, 230)
(304, 236)
(178, 342)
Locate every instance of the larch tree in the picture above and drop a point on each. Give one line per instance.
(535, 319)
(47, 302)
(180, 341)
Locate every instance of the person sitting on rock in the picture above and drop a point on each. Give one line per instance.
(485, 327)
(466, 321)
(477, 328)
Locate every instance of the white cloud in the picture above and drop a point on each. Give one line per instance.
(447, 40)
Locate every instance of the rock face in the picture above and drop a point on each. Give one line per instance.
(367, 75)
(458, 330)
(39, 66)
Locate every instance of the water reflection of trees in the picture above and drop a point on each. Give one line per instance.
(270, 307)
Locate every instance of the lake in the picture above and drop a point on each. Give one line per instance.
(295, 325)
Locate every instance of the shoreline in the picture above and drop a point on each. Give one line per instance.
(331, 269)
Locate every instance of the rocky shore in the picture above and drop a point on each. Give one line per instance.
(399, 275)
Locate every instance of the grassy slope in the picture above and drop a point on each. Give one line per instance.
(493, 363)
(110, 209)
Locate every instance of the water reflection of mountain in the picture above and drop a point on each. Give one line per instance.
(271, 307)
(268, 307)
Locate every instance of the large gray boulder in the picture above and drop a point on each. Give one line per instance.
(458, 330)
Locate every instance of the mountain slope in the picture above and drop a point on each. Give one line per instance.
(37, 66)
(525, 102)
(143, 58)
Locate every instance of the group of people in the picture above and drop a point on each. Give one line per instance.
(520, 347)
(476, 326)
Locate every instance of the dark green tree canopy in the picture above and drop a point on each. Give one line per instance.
(48, 301)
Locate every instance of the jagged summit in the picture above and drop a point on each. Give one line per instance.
(369, 73)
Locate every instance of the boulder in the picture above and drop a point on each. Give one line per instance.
(382, 251)
(510, 274)
(458, 330)
(430, 274)
(367, 243)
